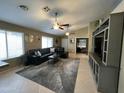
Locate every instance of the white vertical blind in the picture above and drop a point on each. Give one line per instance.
(44, 42)
(15, 44)
(11, 44)
(50, 42)
(47, 42)
(3, 49)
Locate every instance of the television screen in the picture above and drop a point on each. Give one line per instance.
(98, 45)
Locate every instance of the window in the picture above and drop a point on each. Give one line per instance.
(15, 44)
(11, 44)
(44, 42)
(47, 42)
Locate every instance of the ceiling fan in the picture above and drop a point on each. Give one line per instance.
(57, 25)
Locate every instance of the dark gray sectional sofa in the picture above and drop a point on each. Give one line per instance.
(38, 56)
(35, 59)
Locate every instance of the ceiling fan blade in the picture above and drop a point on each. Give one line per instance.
(65, 25)
(61, 28)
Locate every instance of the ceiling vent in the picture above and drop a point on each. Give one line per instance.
(46, 9)
(23, 7)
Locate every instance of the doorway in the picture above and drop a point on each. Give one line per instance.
(82, 45)
(65, 43)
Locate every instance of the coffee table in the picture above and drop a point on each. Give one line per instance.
(53, 59)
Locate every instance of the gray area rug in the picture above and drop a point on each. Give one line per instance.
(59, 77)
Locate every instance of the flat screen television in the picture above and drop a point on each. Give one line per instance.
(98, 45)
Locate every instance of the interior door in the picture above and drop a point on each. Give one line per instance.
(65, 43)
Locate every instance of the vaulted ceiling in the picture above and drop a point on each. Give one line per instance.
(78, 13)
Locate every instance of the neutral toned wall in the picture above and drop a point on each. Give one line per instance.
(57, 41)
(83, 33)
(91, 28)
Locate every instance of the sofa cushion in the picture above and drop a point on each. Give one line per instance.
(35, 53)
(39, 53)
(52, 50)
(45, 55)
(31, 53)
(45, 51)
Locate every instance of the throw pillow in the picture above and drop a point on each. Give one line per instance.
(35, 53)
(38, 53)
(52, 50)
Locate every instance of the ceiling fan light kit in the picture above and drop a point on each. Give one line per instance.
(56, 26)
(67, 33)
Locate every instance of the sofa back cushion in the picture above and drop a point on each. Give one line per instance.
(45, 51)
(31, 52)
(60, 49)
(38, 52)
(52, 50)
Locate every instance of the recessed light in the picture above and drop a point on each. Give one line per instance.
(23, 7)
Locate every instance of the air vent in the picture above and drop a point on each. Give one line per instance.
(23, 7)
(46, 9)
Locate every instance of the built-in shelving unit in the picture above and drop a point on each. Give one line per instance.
(105, 67)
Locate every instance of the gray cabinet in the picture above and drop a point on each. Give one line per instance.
(106, 67)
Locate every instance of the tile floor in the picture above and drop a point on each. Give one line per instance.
(13, 83)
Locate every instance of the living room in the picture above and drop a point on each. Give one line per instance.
(48, 47)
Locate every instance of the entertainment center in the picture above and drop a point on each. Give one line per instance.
(106, 54)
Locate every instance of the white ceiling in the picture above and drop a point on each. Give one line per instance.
(78, 13)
